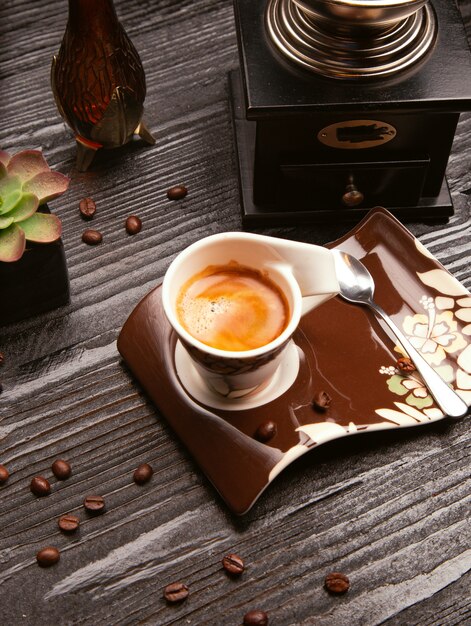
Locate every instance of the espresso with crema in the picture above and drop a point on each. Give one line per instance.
(232, 307)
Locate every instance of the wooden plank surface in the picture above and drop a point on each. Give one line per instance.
(390, 510)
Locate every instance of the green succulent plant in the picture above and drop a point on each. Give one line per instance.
(27, 182)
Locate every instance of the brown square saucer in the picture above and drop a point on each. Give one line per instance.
(343, 351)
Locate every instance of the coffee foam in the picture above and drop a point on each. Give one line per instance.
(203, 313)
(232, 308)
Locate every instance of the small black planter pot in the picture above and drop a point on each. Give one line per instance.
(36, 283)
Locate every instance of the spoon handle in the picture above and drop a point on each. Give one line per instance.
(446, 398)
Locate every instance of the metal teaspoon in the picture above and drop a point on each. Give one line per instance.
(357, 286)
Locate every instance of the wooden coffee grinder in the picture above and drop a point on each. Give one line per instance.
(342, 105)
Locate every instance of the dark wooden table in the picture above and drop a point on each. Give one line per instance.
(391, 510)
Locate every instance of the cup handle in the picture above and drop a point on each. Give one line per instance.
(311, 302)
(314, 270)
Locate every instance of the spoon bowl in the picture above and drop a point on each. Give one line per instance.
(355, 282)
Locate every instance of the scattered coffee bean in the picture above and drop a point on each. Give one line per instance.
(68, 523)
(177, 193)
(133, 225)
(94, 504)
(61, 469)
(143, 474)
(2, 359)
(337, 583)
(233, 564)
(48, 556)
(1, 387)
(92, 237)
(404, 364)
(40, 486)
(266, 431)
(256, 618)
(87, 208)
(4, 474)
(176, 592)
(321, 401)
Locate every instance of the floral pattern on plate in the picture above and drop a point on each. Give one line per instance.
(436, 334)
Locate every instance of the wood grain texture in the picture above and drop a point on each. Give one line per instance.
(391, 510)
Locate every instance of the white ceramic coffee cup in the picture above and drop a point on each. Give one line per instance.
(305, 273)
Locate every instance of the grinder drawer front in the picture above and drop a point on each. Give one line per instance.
(390, 183)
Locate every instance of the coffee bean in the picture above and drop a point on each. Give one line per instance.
(92, 237)
(4, 474)
(143, 473)
(68, 523)
(256, 618)
(266, 431)
(176, 592)
(321, 401)
(233, 564)
(177, 193)
(48, 556)
(133, 225)
(404, 364)
(94, 504)
(2, 359)
(40, 486)
(337, 583)
(87, 208)
(61, 469)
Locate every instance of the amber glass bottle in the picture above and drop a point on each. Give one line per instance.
(97, 77)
